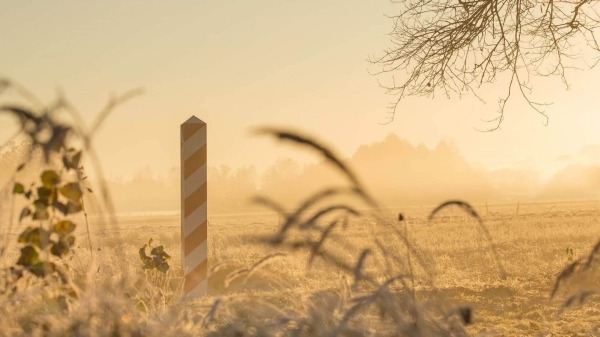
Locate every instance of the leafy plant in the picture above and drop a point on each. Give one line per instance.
(46, 245)
(570, 254)
(158, 258)
(57, 195)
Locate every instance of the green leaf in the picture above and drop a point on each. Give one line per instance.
(73, 207)
(40, 203)
(38, 237)
(70, 240)
(160, 253)
(24, 213)
(165, 256)
(141, 306)
(43, 269)
(66, 161)
(150, 242)
(41, 215)
(28, 194)
(150, 264)
(157, 250)
(46, 193)
(75, 160)
(18, 189)
(50, 178)
(142, 253)
(163, 267)
(23, 237)
(72, 191)
(41, 210)
(64, 227)
(16, 273)
(29, 256)
(59, 206)
(60, 248)
(72, 161)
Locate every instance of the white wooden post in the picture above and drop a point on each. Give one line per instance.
(193, 207)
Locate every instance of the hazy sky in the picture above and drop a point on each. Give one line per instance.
(238, 64)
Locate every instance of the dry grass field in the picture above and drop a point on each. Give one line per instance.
(452, 261)
(532, 247)
(339, 264)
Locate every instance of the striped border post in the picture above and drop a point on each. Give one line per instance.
(193, 207)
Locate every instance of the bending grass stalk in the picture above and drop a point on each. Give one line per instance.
(292, 219)
(410, 268)
(249, 271)
(471, 211)
(87, 225)
(329, 156)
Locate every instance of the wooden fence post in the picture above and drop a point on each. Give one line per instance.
(193, 208)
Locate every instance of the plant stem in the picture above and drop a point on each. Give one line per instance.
(87, 224)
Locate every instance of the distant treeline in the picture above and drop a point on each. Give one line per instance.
(394, 170)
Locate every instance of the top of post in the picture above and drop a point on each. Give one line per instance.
(191, 126)
(194, 120)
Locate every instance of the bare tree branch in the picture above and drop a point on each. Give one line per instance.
(456, 46)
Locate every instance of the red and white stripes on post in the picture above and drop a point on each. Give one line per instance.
(193, 207)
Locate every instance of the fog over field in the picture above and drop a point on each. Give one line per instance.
(398, 172)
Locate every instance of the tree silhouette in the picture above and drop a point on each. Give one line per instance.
(455, 46)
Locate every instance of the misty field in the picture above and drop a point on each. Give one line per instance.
(533, 246)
